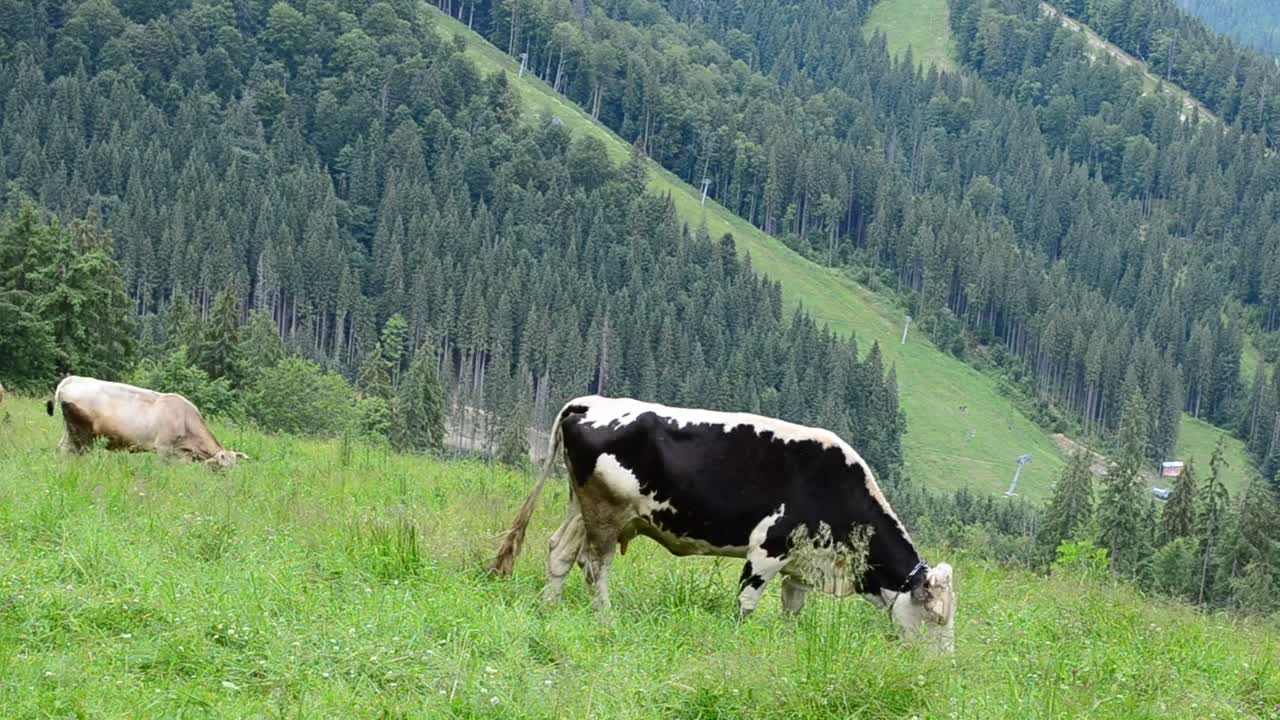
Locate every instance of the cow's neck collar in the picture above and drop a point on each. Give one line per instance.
(915, 577)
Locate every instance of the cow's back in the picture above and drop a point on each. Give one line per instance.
(713, 475)
(123, 413)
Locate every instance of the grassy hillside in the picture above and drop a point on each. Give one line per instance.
(923, 26)
(918, 24)
(944, 447)
(297, 586)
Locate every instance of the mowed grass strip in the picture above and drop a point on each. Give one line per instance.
(946, 448)
(295, 586)
(921, 25)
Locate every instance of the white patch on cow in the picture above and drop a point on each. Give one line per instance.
(620, 412)
(625, 486)
(761, 531)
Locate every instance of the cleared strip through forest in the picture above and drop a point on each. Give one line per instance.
(1097, 43)
(961, 430)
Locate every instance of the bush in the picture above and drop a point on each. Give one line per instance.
(296, 396)
(174, 373)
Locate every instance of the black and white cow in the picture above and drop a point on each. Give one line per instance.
(701, 482)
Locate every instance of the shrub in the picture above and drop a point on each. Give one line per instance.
(296, 396)
(174, 373)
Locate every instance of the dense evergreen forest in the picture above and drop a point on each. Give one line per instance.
(1000, 233)
(1158, 159)
(325, 200)
(1256, 24)
(345, 167)
(1240, 84)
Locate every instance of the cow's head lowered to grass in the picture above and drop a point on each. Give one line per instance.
(928, 610)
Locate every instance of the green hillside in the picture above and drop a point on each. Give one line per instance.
(946, 448)
(297, 586)
(920, 25)
(924, 27)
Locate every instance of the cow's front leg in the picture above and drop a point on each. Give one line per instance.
(761, 567)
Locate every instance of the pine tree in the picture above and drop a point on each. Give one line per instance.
(395, 333)
(1120, 517)
(1253, 541)
(217, 352)
(1209, 525)
(1070, 510)
(417, 422)
(1178, 520)
(374, 378)
(260, 345)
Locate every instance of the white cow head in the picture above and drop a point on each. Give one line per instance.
(929, 610)
(225, 459)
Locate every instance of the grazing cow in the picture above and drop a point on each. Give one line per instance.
(728, 484)
(1, 392)
(135, 419)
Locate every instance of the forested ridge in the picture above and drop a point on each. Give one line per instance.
(1256, 24)
(856, 159)
(1238, 83)
(342, 168)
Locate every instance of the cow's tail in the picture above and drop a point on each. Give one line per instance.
(513, 539)
(52, 403)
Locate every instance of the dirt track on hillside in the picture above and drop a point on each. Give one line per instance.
(1098, 43)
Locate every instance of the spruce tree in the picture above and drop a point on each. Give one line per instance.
(217, 352)
(1253, 540)
(374, 378)
(260, 345)
(1178, 519)
(417, 423)
(181, 326)
(1210, 522)
(1070, 510)
(1121, 512)
(395, 334)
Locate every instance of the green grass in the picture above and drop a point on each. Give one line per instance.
(1196, 439)
(933, 385)
(919, 24)
(296, 587)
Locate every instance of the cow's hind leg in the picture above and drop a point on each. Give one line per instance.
(566, 548)
(601, 543)
(77, 430)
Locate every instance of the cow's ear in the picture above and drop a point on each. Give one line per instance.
(240, 455)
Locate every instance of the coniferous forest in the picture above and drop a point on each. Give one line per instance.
(1255, 24)
(251, 201)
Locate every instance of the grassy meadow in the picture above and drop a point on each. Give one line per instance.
(918, 24)
(304, 585)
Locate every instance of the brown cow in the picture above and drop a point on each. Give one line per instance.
(135, 419)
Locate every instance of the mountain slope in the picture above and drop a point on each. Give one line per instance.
(961, 431)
